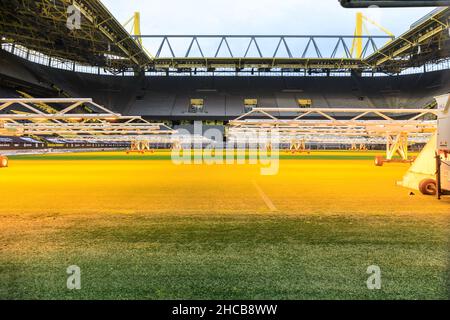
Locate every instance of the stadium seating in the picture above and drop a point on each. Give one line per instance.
(168, 98)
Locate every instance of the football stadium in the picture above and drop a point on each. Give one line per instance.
(204, 166)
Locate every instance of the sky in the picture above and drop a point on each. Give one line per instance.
(288, 17)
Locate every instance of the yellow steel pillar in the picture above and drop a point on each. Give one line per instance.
(137, 26)
(135, 21)
(357, 44)
(358, 34)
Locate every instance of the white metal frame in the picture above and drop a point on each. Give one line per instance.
(70, 123)
(393, 127)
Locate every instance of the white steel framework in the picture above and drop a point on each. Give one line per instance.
(73, 119)
(394, 127)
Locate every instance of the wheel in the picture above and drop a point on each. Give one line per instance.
(379, 161)
(3, 162)
(428, 187)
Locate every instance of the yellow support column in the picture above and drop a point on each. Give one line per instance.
(358, 34)
(137, 26)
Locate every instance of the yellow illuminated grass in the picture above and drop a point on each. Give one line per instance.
(156, 186)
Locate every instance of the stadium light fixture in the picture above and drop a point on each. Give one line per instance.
(394, 3)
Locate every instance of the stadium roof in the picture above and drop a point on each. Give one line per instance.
(427, 40)
(42, 26)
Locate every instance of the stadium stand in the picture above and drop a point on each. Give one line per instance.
(168, 98)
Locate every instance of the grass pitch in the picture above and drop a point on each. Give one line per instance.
(140, 226)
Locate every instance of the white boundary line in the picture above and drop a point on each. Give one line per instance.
(264, 197)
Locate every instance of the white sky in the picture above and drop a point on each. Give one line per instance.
(289, 17)
(255, 16)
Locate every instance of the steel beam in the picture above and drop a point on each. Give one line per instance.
(59, 119)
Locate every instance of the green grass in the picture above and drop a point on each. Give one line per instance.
(225, 257)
